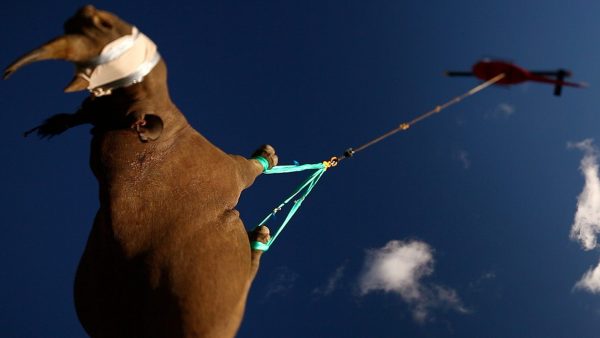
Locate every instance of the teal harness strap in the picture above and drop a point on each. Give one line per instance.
(263, 161)
(259, 246)
(282, 169)
(302, 191)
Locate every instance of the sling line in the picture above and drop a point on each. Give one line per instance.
(302, 191)
(298, 195)
(404, 126)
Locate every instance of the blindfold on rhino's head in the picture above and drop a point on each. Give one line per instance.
(87, 33)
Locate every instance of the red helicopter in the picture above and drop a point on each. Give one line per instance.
(487, 69)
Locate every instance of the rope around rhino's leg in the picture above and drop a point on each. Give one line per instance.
(268, 153)
(260, 234)
(249, 169)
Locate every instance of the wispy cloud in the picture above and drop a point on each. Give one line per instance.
(399, 268)
(586, 224)
(282, 280)
(463, 157)
(590, 281)
(502, 110)
(487, 276)
(332, 282)
(447, 297)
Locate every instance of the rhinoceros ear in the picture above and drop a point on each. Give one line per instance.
(149, 127)
(153, 129)
(78, 83)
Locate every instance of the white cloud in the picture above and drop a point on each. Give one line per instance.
(586, 225)
(399, 268)
(332, 282)
(590, 281)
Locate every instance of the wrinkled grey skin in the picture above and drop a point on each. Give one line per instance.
(168, 255)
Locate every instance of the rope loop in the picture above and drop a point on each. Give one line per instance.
(297, 197)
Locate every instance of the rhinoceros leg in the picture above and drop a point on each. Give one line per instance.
(59, 123)
(267, 152)
(249, 169)
(260, 234)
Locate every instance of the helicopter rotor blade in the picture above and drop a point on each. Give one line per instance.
(556, 73)
(452, 73)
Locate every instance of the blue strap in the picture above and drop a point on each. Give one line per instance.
(301, 191)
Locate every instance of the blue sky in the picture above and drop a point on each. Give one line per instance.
(457, 228)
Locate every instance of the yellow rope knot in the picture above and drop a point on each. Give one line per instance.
(404, 126)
